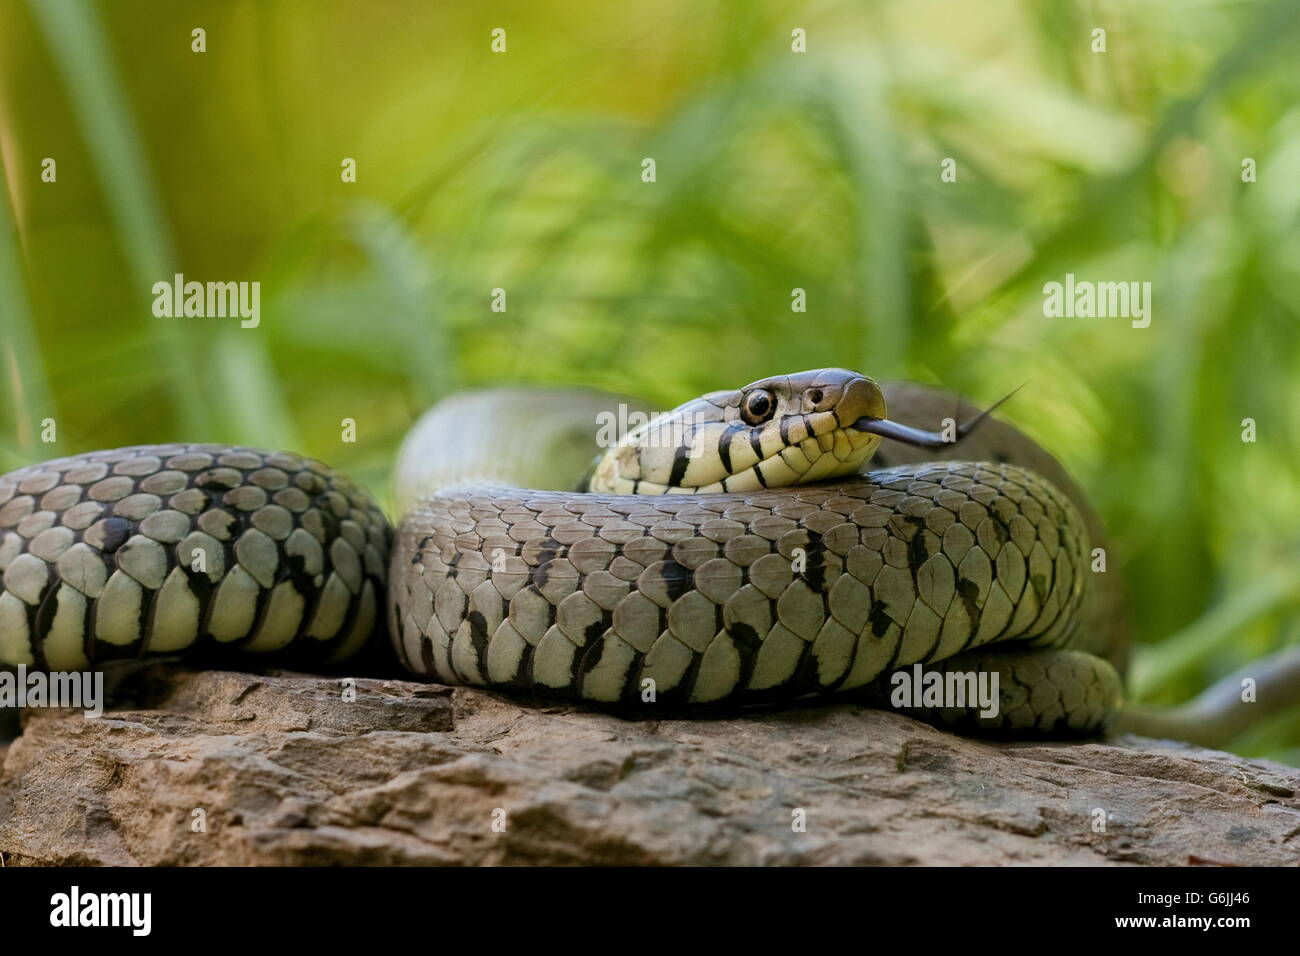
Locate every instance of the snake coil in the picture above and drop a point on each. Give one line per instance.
(729, 552)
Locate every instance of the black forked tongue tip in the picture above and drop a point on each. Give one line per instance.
(920, 438)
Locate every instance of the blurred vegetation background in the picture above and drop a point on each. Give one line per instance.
(775, 170)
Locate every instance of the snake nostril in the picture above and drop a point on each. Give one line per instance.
(815, 396)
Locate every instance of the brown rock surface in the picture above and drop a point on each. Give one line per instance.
(288, 772)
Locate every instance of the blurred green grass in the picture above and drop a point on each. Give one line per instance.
(775, 170)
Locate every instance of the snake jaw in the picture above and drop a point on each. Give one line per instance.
(845, 452)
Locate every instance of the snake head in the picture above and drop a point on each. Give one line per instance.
(778, 431)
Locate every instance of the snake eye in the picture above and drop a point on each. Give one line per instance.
(757, 406)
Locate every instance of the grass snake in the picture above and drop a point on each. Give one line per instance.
(730, 552)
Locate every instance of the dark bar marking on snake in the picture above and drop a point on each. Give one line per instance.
(969, 591)
(681, 460)
(724, 444)
(478, 638)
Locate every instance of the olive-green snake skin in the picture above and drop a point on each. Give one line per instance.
(728, 553)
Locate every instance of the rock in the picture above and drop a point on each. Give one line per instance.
(280, 769)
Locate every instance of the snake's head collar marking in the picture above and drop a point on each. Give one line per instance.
(779, 431)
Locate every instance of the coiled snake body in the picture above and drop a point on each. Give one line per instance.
(726, 553)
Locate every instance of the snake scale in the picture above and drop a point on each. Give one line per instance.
(730, 552)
